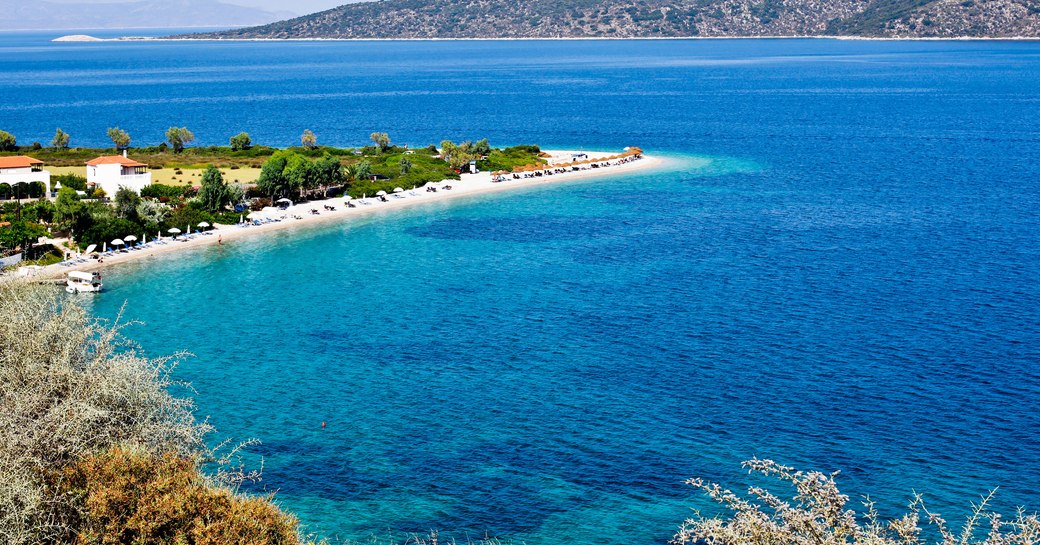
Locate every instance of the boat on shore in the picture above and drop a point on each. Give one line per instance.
(83, 282)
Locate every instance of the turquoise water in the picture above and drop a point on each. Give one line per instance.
(839, 269)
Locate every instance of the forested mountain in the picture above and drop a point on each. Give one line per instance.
(658, 18)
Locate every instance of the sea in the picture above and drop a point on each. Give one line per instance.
(837, 267)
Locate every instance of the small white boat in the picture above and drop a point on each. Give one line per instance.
(83, 282)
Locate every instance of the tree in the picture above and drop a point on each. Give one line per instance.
(456, 155)
(213, 192)
(299, 173)
(308, 139)
(178, 137)
(272, 180)
(108, 229)
(119, 137)
(241, 141)
(382, 140)
(236, 194)
(362, 170)
(60, 140)
(66, 205)
(127, 200)
(152, 212)
(8, 141)
(481, 147)
(406, 165)
(327, 171)
(19, 233)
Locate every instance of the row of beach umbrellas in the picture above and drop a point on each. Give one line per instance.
(131, 238)
(536, 167)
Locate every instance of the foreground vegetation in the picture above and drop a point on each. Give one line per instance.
(818, 514)
(94, 447)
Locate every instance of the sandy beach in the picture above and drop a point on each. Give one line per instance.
(336, 209)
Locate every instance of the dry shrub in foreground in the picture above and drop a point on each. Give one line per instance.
(135, 497)
(75, 398)
(818, 516)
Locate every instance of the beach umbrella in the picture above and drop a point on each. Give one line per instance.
(380, 193)
(130, 238)
(203, 224)
(173, 231)
(118, 242)
(104, 247)
(241, 218)
(398, 190)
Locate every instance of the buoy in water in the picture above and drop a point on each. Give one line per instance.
(323, 424)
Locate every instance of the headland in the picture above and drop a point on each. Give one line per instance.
(559, 168)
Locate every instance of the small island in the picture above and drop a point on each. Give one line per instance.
(77, 38)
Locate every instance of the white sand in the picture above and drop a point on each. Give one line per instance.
(470, 184)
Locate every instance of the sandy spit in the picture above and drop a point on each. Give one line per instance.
(300, 215)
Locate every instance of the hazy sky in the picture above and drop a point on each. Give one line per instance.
(296, 6)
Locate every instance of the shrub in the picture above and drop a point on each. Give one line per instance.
(67, 392)
(70, 180)
(818, 514)
(241, 141)
(8, 142)
(157, 191)
(131, 496)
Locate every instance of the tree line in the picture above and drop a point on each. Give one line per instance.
(177, 138)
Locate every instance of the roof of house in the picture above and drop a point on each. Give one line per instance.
(18, 161)
(114, 160)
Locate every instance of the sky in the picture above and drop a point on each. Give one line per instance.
(296, 6)
(299, 7)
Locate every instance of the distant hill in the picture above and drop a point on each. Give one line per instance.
(658, 18)
(22, 15)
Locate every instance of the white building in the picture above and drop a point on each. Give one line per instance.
(111, 172)
(20, 169)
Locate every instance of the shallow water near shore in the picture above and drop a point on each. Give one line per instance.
(841, 270)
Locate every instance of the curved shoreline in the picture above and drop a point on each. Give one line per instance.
(469, 185)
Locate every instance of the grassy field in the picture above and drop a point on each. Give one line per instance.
(169, 176)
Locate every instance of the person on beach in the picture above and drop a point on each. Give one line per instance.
(220, 240)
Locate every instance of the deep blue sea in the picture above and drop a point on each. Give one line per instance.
(839, 270)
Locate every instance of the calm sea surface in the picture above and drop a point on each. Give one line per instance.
(839, 270)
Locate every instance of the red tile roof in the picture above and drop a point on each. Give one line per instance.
(114, 160)
(18, 161)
